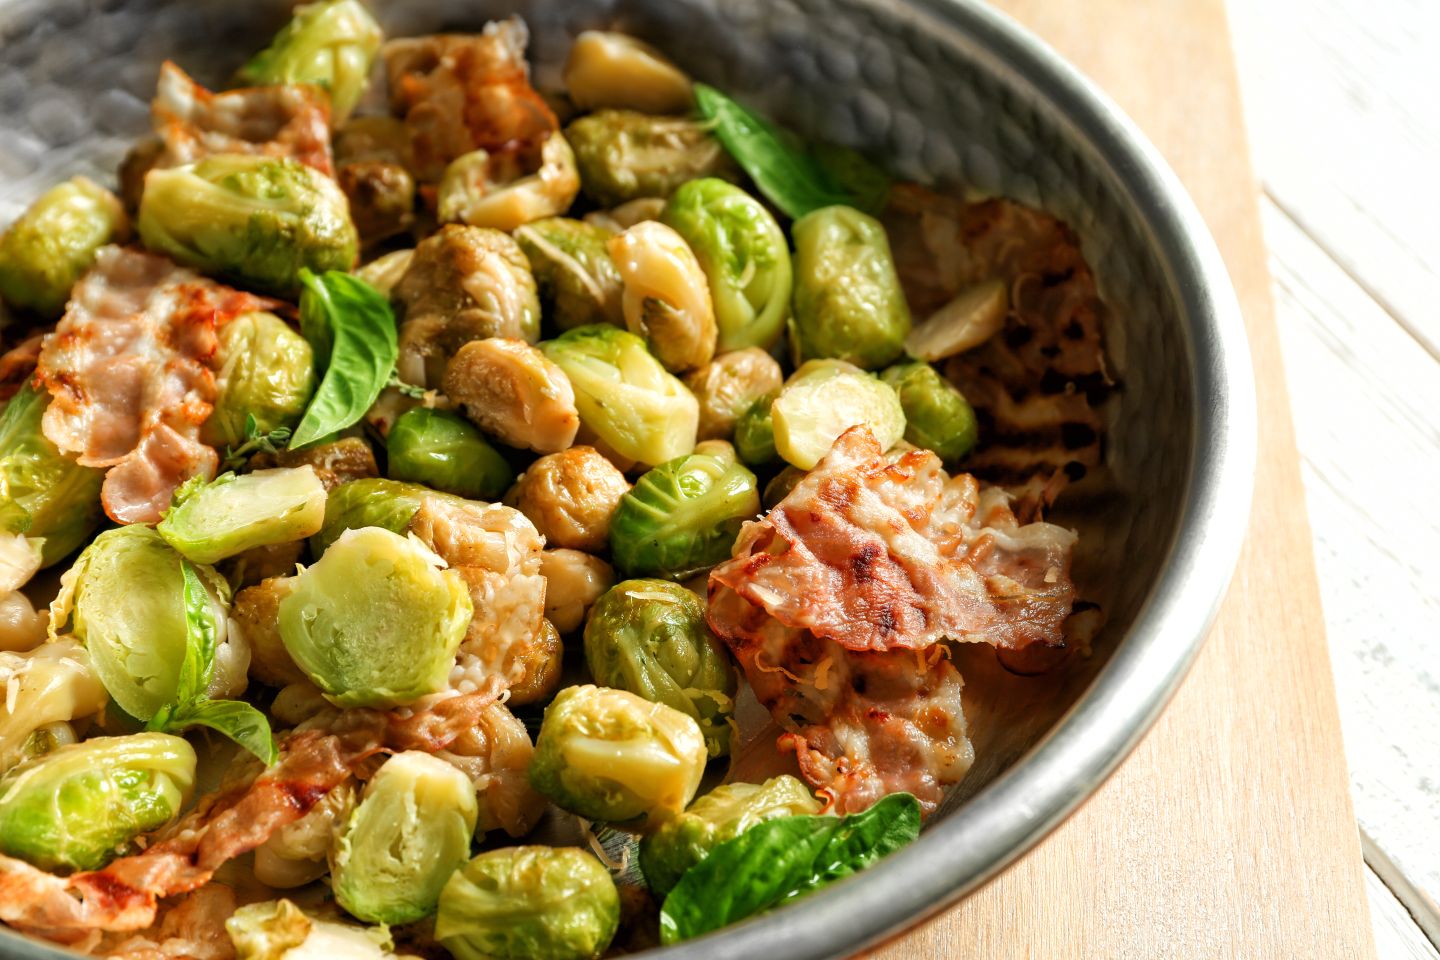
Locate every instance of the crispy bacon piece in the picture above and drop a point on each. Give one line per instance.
(17, 365)
(192, 929)
(291, 120)
(878, 553)
(131, 369)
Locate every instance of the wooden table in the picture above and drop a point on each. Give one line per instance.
(1230, 831)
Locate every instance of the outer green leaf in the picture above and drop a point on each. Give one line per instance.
(780, 860)
(198, 666)
(44, 494)
(237, 720)
(358, 344)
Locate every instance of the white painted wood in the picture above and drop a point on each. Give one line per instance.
(1396, 935)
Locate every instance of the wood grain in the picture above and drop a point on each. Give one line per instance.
(1229, 832)
(1397, 937)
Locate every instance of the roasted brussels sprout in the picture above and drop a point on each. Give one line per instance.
(624, 155)
(209, 521)
(45, 495)
(330, 44)
(650, 637)
(755, 432)
(44, 252)
(570, 497)
(722, 814)
(848, 301)
(612, 755)
(81, 804)
(975, 315)
(267, 371)
(666, 300)
(614, 70)
(508, 190)
(822, 400)
(937, 415)
(368, 502)
(408, 834)
(256, 615)
(375, 622)
(780, 486)
(744, 255)
(529, 903)
(442, 451)
(279, 930)
(514, 393)
(683, 516)
(578, 280)
(574, 580)
(624, 395)
(728, 386)
(255, 220)
(51, 684)
(626, 215)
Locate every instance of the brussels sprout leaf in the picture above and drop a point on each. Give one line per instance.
(795, 179)
(779, 860)
(352, 330)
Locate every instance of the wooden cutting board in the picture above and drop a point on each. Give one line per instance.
(1229, 832)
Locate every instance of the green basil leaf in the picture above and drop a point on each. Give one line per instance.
(237, 720)
(779, 860)
(795, 179)
(351, 324)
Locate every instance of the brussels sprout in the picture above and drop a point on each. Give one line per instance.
(937, 416)
(755, 432)
(440, 450)
(209, 521)
(82, 804)
(44, 252)
(330, 44)
(624, 155)
(848, 301)
(375, 622)
(728, 386)
(508, 190)
(667, 300)
(514, 393)
(129, 611)
(974, 316)
(650, 637)
(255, 220)
(722, 814)
(574, 580)
(626, 215)
(368, 502)
(279, 930)
(408, 834)
(624, 395)
(614, 70)
(51, 684)
(683, 516)
(529, 903)
(612, 755)
(780, 486)
(822, 400)
(267, 371)
(44, 494)
(578, 280)
(744, 255)
(570, 497)
(383, 273)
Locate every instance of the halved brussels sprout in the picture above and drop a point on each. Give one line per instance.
(728, 386)
(279, 930)
(45, 495)
(667, 299)
(744, 255)
(375, 622)
(975, 315)
(255, 220)
(529, 903)
(209, 521)
(612, 755)
(505, 190)
(624, 395)
(570, 496)
(368, 502)
(722, 814)
(624, 155)
(683, 516)
(330, 44)
(937, 415)
(616, 70)
(578, 280)
(79, 806)
(51, 684)
(650, 637)
(848, 301)
(514, 393)
(44, 252)
(755, 432)
(267, 371)
(408, 834)
(442, 451)
(822, 400)
(128, 608)
(574, 580)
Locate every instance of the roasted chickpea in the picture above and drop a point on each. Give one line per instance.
(569, 496)
(513, 392)
(728, 385)
(574, 580)
(256, 613)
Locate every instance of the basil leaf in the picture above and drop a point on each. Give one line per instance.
(236, 719)
(779, 860)
(350, 323)
(794, 179)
